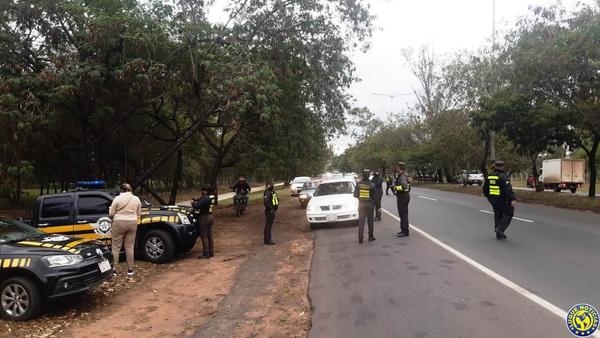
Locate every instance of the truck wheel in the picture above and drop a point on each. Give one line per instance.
(20, 298)
(158, 246)
(573, 189)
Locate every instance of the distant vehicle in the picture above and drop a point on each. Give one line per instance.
(37, 266)
(558, 174)
(351, 175)
(297, 183)
(163, 231)
(308, 189)
(331, 176)
(470, 177)
(333, 201)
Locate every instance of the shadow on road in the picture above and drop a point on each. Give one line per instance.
(337, 225)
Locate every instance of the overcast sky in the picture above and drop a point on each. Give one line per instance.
(445, 26)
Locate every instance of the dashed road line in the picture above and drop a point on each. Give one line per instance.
(517, 218)
(504, 281)
(428, 198)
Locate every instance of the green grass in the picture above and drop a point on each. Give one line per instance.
(567, 201)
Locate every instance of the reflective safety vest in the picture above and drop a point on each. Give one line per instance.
(364, 193)
(213, 201)
(275, 200)
(494, 187)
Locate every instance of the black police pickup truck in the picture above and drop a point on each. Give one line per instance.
(163, 231)
(35, 266)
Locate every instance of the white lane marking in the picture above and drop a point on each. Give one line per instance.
(428, 198)
(506, 282)
(517, 218)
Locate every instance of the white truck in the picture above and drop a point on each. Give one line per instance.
(559, 174)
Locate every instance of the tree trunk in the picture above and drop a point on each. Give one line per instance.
(592, 167)
(534, 171)
(176, 177)
(484, 158)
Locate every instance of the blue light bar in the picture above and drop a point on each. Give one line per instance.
(96, 184)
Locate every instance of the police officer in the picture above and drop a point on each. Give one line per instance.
(204, 207)
(388, 183)
(271, 202)
(377, 181)
(365, 192)
(402, 191)
(499, 192)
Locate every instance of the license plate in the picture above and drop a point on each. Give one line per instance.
(331, 217)
(104, 266)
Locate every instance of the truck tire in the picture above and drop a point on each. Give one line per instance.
(20, 299)
(573, 189)
(158, 246)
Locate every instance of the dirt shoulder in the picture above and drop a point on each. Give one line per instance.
(567, 201)
(247, 290)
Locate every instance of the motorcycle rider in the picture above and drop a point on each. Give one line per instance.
(204, 208)
(241, 187)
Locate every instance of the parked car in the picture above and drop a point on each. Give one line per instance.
(297, 183)
(307, 192)
(163, 231)
(333, 201)
(36, 266)
(352, 175)
(470, 177)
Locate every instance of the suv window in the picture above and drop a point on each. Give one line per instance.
(55, 207)
(93, 205)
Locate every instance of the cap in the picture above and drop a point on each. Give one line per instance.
(402, 165)
(205, 187)
(499, 164)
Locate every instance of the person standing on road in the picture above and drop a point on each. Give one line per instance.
(388, 183)
(271, 201)
(378, 183)
(365, 192)
(204, 205)
(499, 192)
(125, 211)
(402, 191)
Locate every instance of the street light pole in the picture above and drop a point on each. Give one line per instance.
(392, 97)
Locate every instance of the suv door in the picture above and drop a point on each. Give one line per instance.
(91, 216)
(55, 214)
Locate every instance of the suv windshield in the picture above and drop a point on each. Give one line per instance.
(13, 231)
(301, 179)
(334, 188)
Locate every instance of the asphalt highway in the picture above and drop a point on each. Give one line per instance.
(415, 287)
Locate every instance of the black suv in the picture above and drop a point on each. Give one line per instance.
(35, 266)
(163, 231)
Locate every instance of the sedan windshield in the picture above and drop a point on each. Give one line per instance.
(13, 231)
(334, 188)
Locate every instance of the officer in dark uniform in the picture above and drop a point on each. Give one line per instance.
(365, 192)
(271, 202)
(377, 181)
(402, 191)
(204, 208)
(388, 183)
(499, 192)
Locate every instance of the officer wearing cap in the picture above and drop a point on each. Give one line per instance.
(402, 191)
(499, 192)
(204, 208)
(365, 192)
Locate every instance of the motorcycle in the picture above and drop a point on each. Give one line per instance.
(240, 202)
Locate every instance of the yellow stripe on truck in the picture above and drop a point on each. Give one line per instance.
(74, 244)
(58, 229)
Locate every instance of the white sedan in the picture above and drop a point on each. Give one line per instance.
(333, 201)
(297, 183)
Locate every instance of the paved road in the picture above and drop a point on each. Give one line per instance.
(411, 287)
